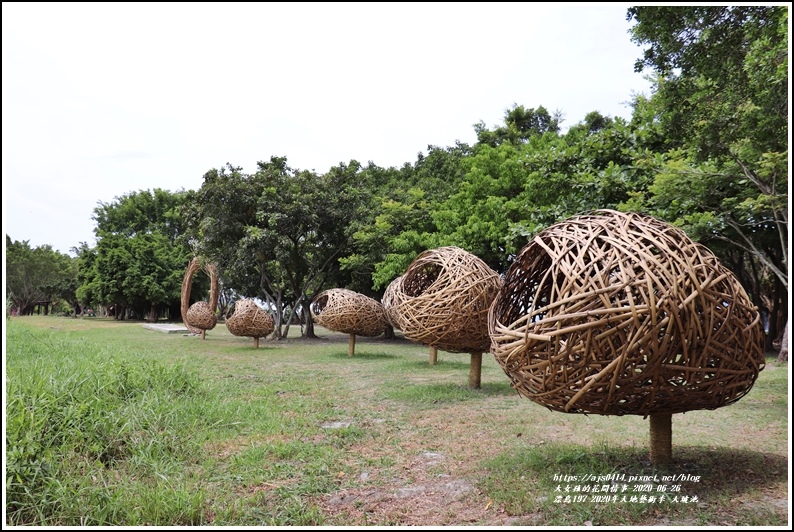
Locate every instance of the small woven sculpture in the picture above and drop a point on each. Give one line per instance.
(211, 269)
(248, 319)
(442, 301)
(346, 311)
(201, 316)
(614, 313)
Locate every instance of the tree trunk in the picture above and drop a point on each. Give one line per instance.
(388, 334)
(774, 316)
(307, 316)
(783, 355)
(661, 438)
(152, 314)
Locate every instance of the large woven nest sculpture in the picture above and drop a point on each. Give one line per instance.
(614, 313)
(389, 302)
(442, 301)
(248, 319)
(346, 311)
(199, 318)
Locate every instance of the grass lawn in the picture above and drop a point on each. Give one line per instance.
(111, 423)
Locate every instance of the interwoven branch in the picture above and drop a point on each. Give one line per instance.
(201, 316)
(442, 300)
(620, 313)
(390, 301)
(346, 311)
(248, 319)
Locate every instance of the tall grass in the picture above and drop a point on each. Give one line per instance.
(83, 421)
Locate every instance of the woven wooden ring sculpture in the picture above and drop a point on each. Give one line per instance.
(248, 319)
(614, 313)
(346, 311)
(202, 317)
(442, 300)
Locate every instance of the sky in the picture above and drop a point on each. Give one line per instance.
(104, 99)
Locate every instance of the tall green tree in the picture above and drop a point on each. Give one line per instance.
(278, 234)
(512, 191)
(721, 92)
(140, 255)
(398, 223)
(38, 275)
(520, 124)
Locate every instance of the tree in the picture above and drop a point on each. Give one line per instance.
(397, 225)
(511, 192)
(277, 234)
(140, 254)
(38, 275)
(520, 125)
(721, 91)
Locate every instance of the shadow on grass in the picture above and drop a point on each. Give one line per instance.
(251, 349)
(725, 471)
(532, 481)
(705, 471)
(433, 394)
(439, 365)
(363, 356)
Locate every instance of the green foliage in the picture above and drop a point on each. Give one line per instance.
(520, 125)
(38, 274)
(721, 96)
(280, 231)
(140, 255)
(398, 225)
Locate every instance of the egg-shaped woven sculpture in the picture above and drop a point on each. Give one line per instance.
(211, 269)
(201, 316)
(619, 313)
(390, 301)
(347, 311)
(442, 300)
(248, 319)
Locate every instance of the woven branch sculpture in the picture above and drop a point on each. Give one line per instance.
(346, 311)
(248, 319)
(614, 313)
(199, 317)
(389, 302)
(442, 301)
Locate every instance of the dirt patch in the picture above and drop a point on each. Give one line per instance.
(427, 499)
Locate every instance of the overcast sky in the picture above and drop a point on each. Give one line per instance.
(100, 100)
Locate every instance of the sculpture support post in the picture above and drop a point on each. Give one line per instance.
(433, 355)
(256, 342)
(351, 345)
(661, 438)
(475, 370)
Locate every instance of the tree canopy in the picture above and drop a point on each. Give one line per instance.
(140, 256)
(38, 275)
